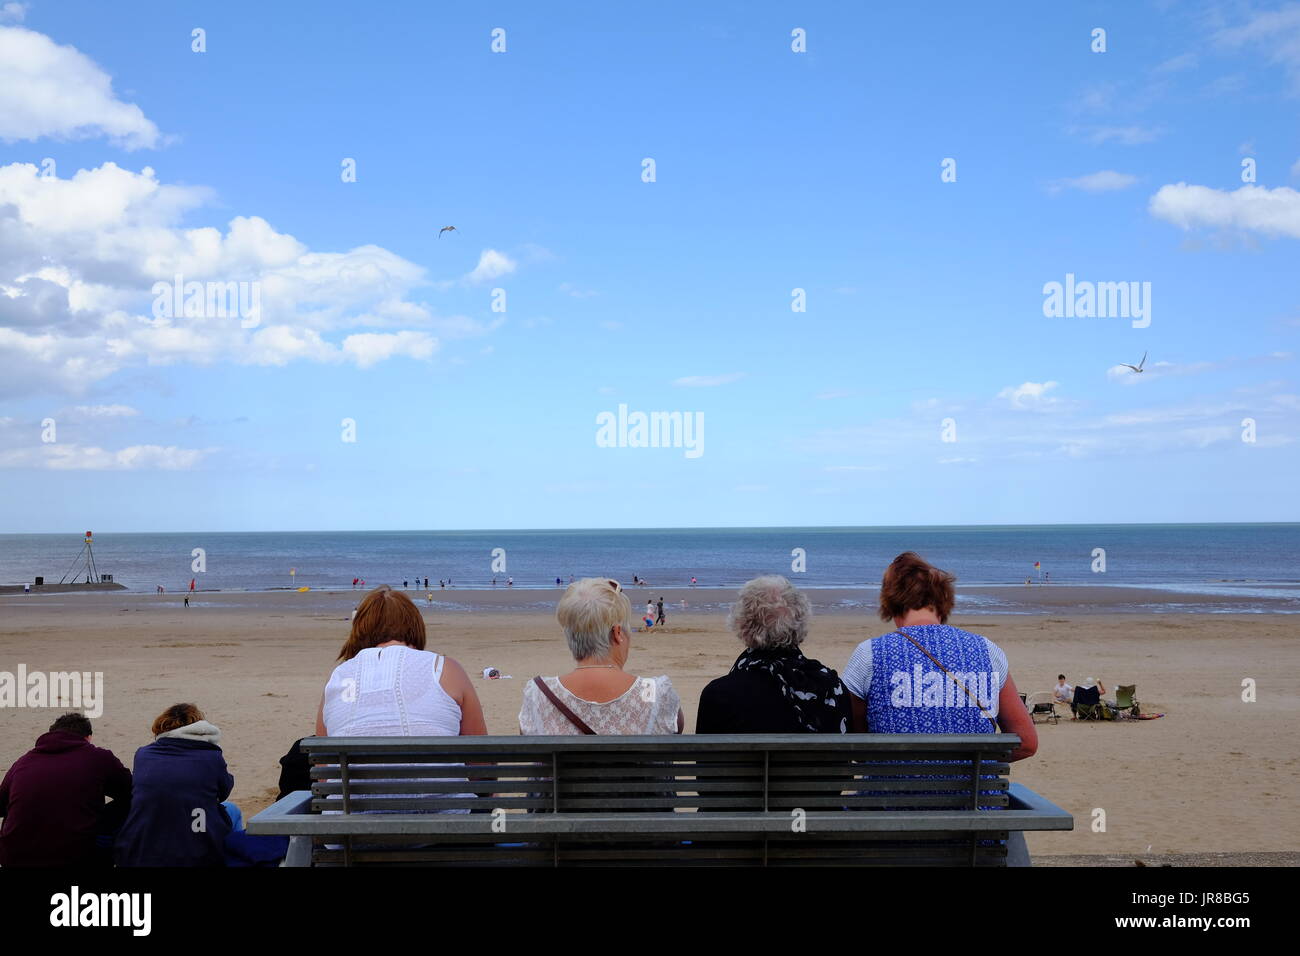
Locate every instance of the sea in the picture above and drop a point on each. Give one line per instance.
(1240, 562)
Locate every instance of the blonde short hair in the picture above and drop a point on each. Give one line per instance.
(588, 612)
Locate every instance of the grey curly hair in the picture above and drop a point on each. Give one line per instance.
(770, 613)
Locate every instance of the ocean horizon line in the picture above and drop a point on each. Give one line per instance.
(693, 528)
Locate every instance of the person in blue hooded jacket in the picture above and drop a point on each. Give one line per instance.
(178, 785)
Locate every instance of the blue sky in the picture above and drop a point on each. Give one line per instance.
(774, 171)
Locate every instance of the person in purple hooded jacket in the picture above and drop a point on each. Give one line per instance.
(181, 780)
(52, 799)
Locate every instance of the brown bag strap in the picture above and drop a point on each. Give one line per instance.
(972, 697)
(562, 708)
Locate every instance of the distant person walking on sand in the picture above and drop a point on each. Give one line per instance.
(426, 584)
(187, 599)
(428, 598)
(649, 615)
(661, 619)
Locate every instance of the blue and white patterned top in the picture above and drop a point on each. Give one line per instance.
(906, 694)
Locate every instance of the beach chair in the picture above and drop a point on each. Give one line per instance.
(1087, 704)
(1126, 702)
(1042, 705)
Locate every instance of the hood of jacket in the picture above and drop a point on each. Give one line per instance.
(59, 742)
(200, 731)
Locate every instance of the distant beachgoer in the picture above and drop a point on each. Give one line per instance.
(442, 584)
(692, 581)
(426, 584)
(178, 779)
(404, 584)
(27, 588)
(52, 800)
(661, 619)
(772, 688)
(510, 582)
(1047, 577)
(187, 599)
(354, 582)
(1063, 693)
(494, 582)
(428, 598)
(1028, 582)
(649, 615)
(597, 696)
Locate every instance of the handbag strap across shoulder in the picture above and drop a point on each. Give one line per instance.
(973, 698)
(562, 707)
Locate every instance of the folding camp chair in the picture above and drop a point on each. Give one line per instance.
(1126, 700)
(1042, 705)
(1087, 704)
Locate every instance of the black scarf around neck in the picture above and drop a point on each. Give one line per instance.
(814, 692)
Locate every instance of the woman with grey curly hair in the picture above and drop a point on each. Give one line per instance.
(772, 688)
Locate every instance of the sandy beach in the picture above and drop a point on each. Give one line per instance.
(1216, 775)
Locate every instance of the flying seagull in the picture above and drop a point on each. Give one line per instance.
(1138, 366)
(446, 229)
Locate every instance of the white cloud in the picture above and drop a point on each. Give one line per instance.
(1106, 180)
(53, 91)
(368, 348)
(1271, 212)
(491, 265)
(707, 381)
(104, 411)
(1276, 32)
(79, 259)
(569, 288)
(1029, 395)
(72, 457)
(14, 12)
(1124, 135)
(1183, 61)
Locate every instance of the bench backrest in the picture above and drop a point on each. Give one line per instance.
(756, 772)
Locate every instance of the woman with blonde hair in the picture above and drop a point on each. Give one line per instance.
(598, 696)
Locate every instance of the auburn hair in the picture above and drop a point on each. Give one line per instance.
(175, 717)
(384, 615)
(911, 583)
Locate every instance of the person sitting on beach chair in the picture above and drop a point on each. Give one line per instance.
(1088, 704)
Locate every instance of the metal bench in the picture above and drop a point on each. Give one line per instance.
(755, 800)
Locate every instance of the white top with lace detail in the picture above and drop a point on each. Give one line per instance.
(649, 706)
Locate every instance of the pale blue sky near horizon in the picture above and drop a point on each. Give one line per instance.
(775, 170)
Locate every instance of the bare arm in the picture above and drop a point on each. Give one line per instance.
(456, 683)
(1013, 718)
(320, 717)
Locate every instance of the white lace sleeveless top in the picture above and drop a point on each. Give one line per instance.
(649, 706)
(390, 692)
